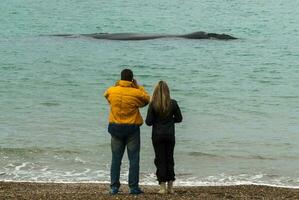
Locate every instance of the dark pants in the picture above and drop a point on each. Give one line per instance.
(164, 147)
(122, 137)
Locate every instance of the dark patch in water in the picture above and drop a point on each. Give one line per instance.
(289, 97)
(258, 157)
(200, 154)
(66, 151)
(8, 151)
(184, 174)
(34, 150)
(254, 157)
(50, 104)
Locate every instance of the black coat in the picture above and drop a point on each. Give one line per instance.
(164, 126)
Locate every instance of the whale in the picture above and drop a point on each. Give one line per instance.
(139, 36)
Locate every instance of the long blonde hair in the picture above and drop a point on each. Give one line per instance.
(161, 99)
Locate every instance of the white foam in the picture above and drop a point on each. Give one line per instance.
(44, 169)
(86, 175)
(20, 166)
(77, 159)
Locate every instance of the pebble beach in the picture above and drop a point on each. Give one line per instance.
(78, 191)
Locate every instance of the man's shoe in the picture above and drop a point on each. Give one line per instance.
(114, 190)
(136, 191)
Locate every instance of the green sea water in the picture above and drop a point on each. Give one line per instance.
(239, 99)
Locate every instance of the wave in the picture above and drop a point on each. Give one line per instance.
(249, 157)
(201, 154)
(253, 157)
(89, 176)
(50, 104)
(35, 150)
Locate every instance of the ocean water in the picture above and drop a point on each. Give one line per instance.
(239, 99)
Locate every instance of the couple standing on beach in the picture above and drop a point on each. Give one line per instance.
(125, 99)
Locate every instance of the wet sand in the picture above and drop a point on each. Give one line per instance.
(24, 190)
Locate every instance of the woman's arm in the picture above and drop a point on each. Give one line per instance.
(177, 114)
(150, 116)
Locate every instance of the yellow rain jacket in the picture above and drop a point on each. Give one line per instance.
(125, 98)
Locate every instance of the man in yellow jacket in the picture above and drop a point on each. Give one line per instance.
(125, 99)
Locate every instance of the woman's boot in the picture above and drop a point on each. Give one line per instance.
(162, 188)
(170, 187)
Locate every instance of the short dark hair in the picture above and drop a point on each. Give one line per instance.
(126, 75)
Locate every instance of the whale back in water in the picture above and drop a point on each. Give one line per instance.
(138, 36)
(204, 35)
(125, 36)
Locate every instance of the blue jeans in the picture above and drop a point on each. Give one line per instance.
(123, 136)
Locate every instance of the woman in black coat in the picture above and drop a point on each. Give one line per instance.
(163, 113)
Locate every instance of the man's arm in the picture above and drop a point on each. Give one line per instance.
(106, 95)
(144, 97)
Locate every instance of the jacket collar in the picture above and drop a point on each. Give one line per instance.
(123, 83)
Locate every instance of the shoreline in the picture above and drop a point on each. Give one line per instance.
(37, 190)
(150, 184)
